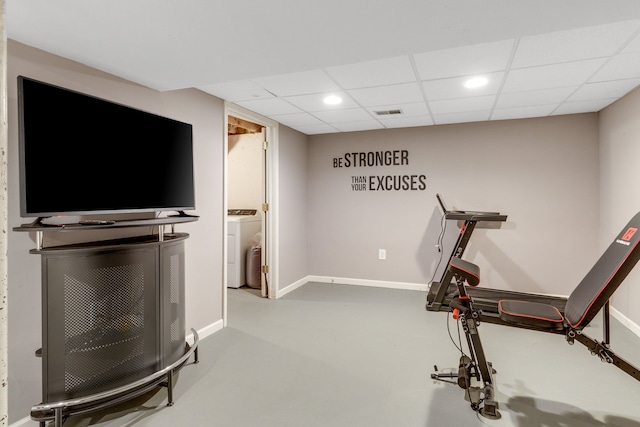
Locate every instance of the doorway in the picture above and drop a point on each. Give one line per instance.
(248, 193)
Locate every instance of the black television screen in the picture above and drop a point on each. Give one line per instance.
(83, 155)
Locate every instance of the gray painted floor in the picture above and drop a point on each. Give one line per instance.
(338, 356)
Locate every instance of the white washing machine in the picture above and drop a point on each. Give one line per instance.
(241, 235)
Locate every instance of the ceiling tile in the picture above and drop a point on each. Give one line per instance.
(237, 91)
(296, 119)
(573, 45)
(316, 129)
(535, 97)
(633, 46)
(478, 103)
(314, 81)
(344, 115)
(550, 76)
(401, 122)
(269, 107)
(454, 88)
(471, 116)
(522, 112)
(314, 102)
(619, 67)
(373, 73)
(384, 95)
(600, 90)
(582, 106)
(464, 61)
(358, 126)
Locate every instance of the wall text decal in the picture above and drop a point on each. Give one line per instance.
(372, 158)
(389, 183)
(381, 182)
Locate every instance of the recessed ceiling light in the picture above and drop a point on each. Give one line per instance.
(332, 100)
(476, 82)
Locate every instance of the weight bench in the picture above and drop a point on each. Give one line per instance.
(589, 298)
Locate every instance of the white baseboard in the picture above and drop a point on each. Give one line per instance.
(349, 281)
(27, 421)
(207, 330)
(292, 287)
(374, 283)
(630, 324)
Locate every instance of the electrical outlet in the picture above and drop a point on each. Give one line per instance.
(382, 254)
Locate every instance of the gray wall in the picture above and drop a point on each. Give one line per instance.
(620, 187)
(542, 173)
(292, 207)
(203, 249)
(244, 171)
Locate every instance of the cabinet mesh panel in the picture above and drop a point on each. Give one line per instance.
(103, 326)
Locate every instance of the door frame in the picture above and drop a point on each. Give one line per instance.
(271, 197)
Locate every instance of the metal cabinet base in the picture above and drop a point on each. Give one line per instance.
(113, 322)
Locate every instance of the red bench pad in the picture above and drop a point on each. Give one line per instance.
(534, 314)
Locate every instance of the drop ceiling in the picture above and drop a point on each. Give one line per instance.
(394, 64)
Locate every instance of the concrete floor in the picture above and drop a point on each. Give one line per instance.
(349, 356)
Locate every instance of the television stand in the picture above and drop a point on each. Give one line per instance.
(113, 318)
(38, 223)
(40, 228)
(183, 214)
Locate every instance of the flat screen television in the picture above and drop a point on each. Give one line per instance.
(80, 155)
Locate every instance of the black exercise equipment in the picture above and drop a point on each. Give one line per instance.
(440, 295)
(474, 365)
(590, 297)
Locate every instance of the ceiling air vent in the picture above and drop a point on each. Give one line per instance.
(388, 112)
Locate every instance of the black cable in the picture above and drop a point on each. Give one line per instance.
(476, 407)
(443, 228)
(459, 347)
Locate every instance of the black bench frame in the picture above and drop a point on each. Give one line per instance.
(589, 298)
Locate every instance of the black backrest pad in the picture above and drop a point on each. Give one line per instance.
(605, 276)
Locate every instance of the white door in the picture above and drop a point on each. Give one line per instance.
(264, 277)
(235, 116)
